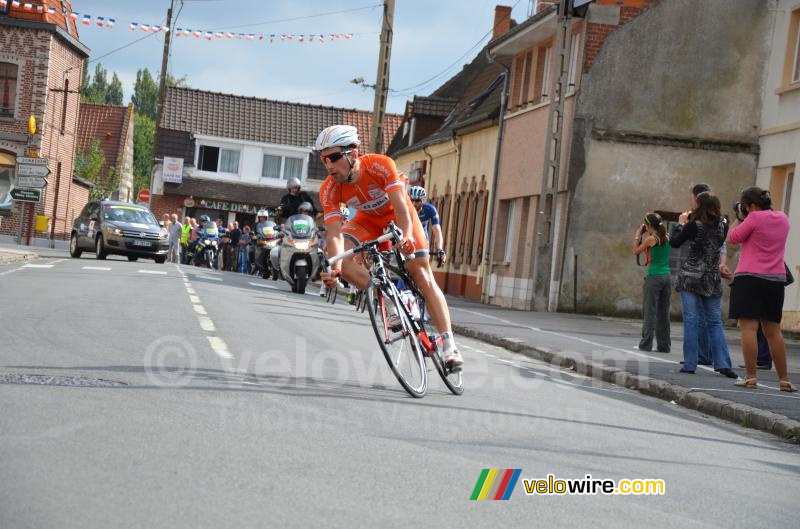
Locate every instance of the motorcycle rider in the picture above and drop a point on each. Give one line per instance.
(291, 201)
(206, 231)
(429, 217)
(265, 229)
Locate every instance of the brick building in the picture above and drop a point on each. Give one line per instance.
(112, 127)
(41, 60)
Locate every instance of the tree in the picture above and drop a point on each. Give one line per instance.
(144, 135)
(145, 94)
(89, 164)
(114, 93)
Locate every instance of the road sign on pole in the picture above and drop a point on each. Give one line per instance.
(28, 160)
(144, 195)
(26, 195)
(31, 182)
(41, 171)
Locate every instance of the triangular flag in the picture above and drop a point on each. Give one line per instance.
(100, 21)
(87, 19)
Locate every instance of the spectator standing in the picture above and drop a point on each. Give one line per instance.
(651, 238)
(244, 242)
(699, 282)
(186, 233)
(175, 230)
(759, 281)
(233, 248)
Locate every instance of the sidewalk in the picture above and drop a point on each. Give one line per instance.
(10, 254)
(603, 348)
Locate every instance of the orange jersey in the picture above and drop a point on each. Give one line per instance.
(370, 195)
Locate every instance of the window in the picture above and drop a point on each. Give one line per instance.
(509, 242)
(229, 161)
(7, 164)
(573, 62)
(271, 167)
(546, 74)
(218, 160)
(540, 85)
(282, 167)
(8, 89)
(293, 168)
(525, 74)
(791, 68)
(796, 73)
(780, 187)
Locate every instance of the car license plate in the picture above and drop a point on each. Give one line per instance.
(141, 243)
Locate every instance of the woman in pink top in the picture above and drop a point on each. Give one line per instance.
(759, 281)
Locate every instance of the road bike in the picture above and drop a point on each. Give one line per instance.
(398, 315)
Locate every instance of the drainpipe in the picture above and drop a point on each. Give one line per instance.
(489, 249)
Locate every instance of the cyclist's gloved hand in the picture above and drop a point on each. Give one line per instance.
(406, 246)
(330, 279)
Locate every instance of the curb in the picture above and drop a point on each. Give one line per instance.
(11, 258)
(747, 416)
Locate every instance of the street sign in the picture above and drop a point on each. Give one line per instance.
(144, 195)
(26, 195)
(32, 182)
(27, 160)
(40, 171)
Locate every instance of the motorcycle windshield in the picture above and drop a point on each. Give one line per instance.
(301, 226)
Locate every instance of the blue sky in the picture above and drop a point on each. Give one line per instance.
(429, 37)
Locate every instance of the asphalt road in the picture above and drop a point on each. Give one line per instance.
(219, 400)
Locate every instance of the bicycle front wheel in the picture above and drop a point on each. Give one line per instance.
(396, 339)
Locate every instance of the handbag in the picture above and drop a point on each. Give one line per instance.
(789, 276)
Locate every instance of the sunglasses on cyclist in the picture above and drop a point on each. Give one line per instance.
(334, 156)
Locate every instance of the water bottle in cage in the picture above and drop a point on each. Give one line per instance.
(410, 301)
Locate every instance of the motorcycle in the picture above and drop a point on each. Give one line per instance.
(297, 258)
(265, 240)
(209, 253)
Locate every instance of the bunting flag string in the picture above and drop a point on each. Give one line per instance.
(211, 35)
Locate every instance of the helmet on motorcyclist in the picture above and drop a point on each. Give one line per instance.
(204, 218)
(337, 136)
(293, 182)
(262, 213)
(417, 193)
(305, 208)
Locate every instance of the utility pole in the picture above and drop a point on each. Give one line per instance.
(382, 80)
(162, 87)
(546, 282)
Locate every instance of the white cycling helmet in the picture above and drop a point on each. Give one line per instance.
(417, 193)
(337, 136)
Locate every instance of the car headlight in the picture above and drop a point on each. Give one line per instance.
(163, 235)
(115, 231)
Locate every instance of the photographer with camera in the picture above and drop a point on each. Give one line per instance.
(759, 281)
(699, 282)
(651, 238)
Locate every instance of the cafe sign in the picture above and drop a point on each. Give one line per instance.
(227, 206)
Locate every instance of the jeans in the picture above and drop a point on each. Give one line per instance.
(244, 266)
(697, 309)
(703, 338)
(655, 312)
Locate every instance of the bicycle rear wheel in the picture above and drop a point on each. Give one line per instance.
(399, 344)
(453, 381)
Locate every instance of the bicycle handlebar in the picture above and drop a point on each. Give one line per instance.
(394, 233)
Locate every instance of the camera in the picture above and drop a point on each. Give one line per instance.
(739, 210)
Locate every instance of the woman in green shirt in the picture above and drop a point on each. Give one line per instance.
(651, 238)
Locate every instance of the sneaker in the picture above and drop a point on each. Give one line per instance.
(727, 371)
(684, 370)
(453, 360)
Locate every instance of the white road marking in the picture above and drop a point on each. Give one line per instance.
(194, 299)
(190, 290)
(10, 271)
(262, 285)
(155, 272)
(200, 310)
(209, 277)
(104, 268)
(206, 324)
(37, 266)
(219, 346)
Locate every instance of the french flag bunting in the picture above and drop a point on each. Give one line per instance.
(40, 9)
(27, 6)
(51, 10)
(209, 35)
(197, 34)
(110, 23)
(87, 19)
(251, 37)
(165, 29)
(133, 25)
(100, 21)
(15, 3)
(229, 35)
(144, 27)
(3, 3)
(302, 37)
(218, 35)
(186, 32)
(322, 39)
(348, 36)
(74, 15)
(155, 29)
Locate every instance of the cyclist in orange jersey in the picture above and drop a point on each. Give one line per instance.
(372, 186)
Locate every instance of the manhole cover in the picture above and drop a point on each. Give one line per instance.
(47, 380)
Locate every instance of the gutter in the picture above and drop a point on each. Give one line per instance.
(489, 238)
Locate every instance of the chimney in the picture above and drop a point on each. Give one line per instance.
(546, 4)
(502, 21)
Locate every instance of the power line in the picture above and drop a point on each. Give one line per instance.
(408, 91)
(123, 47)
(266, 22)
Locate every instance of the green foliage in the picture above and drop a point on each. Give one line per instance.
(144, 135)
(89, 164)
(114, 92)
(145, 94)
